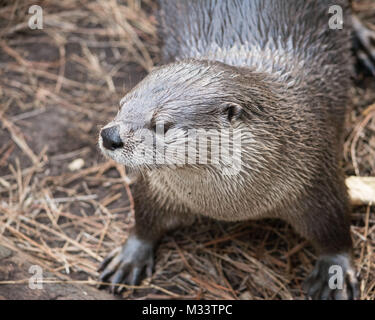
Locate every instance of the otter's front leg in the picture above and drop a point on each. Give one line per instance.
(129, 263)
(333, 278)
(325, 221)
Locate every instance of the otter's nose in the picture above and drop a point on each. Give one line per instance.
(111, 138)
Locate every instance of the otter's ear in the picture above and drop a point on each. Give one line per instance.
(232, 111)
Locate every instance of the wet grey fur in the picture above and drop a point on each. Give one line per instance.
(289, 75)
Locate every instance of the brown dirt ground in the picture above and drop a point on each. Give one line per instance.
(57, 87)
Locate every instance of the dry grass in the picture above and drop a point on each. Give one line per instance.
(57, 85)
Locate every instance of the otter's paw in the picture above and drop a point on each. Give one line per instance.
(333, 278)
(127, 264)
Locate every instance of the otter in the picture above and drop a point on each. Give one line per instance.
(272, 72)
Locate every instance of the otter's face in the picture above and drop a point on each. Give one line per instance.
(159, 120)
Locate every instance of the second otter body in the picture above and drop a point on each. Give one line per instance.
(276, 73)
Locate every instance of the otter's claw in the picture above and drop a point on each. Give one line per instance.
(126, 264)
(333, 278)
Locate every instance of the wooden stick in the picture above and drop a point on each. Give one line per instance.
(361, 190)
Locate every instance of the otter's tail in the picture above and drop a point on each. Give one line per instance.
(364, 39)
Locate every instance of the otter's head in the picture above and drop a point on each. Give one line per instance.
(165, 111)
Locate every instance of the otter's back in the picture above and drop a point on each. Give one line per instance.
(271, 36)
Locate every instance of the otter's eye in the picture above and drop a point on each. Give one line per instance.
(232, 112)
(160, 127)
